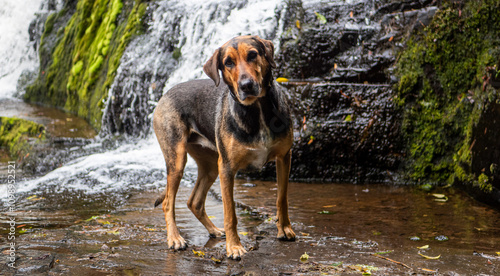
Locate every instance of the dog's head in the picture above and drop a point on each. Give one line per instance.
(245, 63)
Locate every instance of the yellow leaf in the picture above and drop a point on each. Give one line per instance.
(429, 257)
(216, 260)
(335, 66)
(304, 257)
(243, 233)
(297, 23)
(114, 232)
(423, 247)
(304, 234)
(351, 14)
(281, 79)
(439, 195)
(429, 270)
(211, 217)
(329, 206)
(498, 253)
(199, 253)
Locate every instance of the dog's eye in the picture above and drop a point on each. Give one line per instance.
(251, 55)
(229, 63)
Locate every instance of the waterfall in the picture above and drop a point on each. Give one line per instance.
(148, 69)
(18, 39)
(181, 37)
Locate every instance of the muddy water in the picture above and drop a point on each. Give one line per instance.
(57, 122)
(341, 224)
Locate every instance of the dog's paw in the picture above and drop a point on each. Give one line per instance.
(286, 233)
(177, 243)
(217, 233)
(235, 252)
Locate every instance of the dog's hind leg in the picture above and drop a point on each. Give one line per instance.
(206, 160)
(172, 137)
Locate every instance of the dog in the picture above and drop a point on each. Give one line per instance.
(240, 124)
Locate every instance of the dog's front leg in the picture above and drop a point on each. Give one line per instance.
(233, 244)
(285, 231)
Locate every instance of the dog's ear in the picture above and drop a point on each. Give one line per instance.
(211, 68)
(269, 52)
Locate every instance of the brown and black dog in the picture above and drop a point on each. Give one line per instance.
(239, 125)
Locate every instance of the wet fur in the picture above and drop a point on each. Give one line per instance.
(238, 124)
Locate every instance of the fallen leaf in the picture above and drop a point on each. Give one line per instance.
(93, 217)
(498, 253)
(22, 225)
(391, 38)
(321, 18)
(304, 257)
(281, 79)
(351, 14)
(423, 247)
(429, 257)
(428, 270)
(218, 261)
(439, 195)
(325, 212)
(304, 234)
(335, 66)
(297, 23)
(211, 217)
(329, 206)
(113, 232)
(199, 253)
(310, 141)
(348, 118)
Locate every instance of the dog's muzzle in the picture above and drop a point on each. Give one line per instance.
(248, 88)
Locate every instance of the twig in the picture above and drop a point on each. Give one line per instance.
(391, 260)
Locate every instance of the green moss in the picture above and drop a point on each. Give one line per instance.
(15, 133)
(176, 54)
(85, 60)
(440, 90)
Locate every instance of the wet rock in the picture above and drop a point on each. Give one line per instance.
(31, 262)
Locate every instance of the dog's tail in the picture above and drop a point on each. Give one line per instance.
(160, 199)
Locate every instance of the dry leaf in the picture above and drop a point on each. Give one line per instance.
(429, 257)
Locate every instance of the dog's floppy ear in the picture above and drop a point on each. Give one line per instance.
(269, 52)
(211, 68)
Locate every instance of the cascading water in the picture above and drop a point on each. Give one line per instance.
(18, 43)
(148, 69)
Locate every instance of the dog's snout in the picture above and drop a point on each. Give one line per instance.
(246, 85)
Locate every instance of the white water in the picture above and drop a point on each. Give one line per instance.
(16, 51)
(204, 26)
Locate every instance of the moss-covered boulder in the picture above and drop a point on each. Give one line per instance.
(18, 135)
(80, 51)
(449, 98)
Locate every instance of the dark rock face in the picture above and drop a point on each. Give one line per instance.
(347, 126)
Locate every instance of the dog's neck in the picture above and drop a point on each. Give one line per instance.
(265, 112)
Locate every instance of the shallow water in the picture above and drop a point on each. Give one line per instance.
(334, 223)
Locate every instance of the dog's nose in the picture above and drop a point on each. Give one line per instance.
(247, 86)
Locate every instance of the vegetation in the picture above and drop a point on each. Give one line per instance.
(85, 59)
(442, 90)
(15, 134)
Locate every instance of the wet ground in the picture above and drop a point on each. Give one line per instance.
(345, 230)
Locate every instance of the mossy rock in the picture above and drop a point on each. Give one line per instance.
(445, 97)
(77, 71)
(17, 135)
